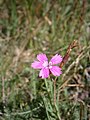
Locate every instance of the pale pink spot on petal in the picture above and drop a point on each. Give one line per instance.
(45, 64)
(56, 71)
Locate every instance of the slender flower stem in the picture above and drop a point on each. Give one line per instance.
(54, 81)
(54, 91)
(55, 103)
(46, 84)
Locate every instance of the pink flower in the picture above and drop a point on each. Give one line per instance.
(47, 67)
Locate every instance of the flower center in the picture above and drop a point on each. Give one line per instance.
(45, 64)
(50, 65)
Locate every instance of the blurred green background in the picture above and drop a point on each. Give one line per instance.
(30, 27)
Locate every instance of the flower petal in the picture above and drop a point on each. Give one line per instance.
(56, 59)
(36, 65)
(55, 70)
(42, 57)
(44, 73)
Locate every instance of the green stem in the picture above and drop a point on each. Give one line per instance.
(47, 88)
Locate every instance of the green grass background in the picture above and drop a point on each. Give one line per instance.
(30, 27)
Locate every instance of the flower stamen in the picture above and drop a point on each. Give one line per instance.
(45, 64)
